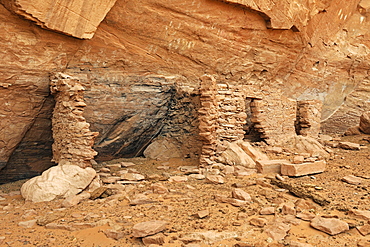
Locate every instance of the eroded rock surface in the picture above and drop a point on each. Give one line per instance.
(64, 181)
(76, 18)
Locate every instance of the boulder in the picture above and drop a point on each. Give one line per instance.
(365, 122)
(302, 144)
(235, 155)
(162, 149)
(58, 181)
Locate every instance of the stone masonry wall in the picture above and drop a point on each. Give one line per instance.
(273, 115)
(309, 117)
(73, 139)
(221, 117)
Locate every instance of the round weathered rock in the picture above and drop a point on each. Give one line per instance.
(57, 181)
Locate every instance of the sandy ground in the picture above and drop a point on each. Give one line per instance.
(90, 222)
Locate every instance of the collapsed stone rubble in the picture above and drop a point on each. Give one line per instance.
(257, 206)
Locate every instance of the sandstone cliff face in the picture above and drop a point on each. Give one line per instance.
(76, 18)
(144, 64)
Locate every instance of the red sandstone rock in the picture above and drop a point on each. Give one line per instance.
(215, 179)
(157, 239)
(330, 226)
(363, 214)
(75, 199)
(305, 216)
(260, 222)
(202, 214)
(114, 234)
(351, 179)
(178, 179)
(270, 166)
(298, 159)
(235, 155)
(364, 230)
(288, 208)
(241, 195)
(267, 211)
(148, 228)
(79, 19)
(252, 152)
(298, 244)
(354, 130)
(277, 230)
(159, 188)
(296, 170)
(27, 224)
(365, 123)
(349, 145)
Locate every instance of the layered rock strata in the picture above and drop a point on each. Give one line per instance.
(73, 139)
(79, 19)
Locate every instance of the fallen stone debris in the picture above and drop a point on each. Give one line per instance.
(172, 205)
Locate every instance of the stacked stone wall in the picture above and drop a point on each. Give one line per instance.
(309, 117)
(73, 139)
(273, 117)
(221, 117)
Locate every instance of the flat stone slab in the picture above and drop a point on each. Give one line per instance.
(329, 225)
(349, 145)
(351, 179)
(296, 170)
(148, 228)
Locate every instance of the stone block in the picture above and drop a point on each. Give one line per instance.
(296, 170)
(270, 166)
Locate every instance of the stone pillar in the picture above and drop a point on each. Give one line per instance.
(309, 117)
(73, 139)
(221, 117)
(208, 115)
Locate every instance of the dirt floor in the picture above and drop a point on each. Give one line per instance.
(196, 210)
